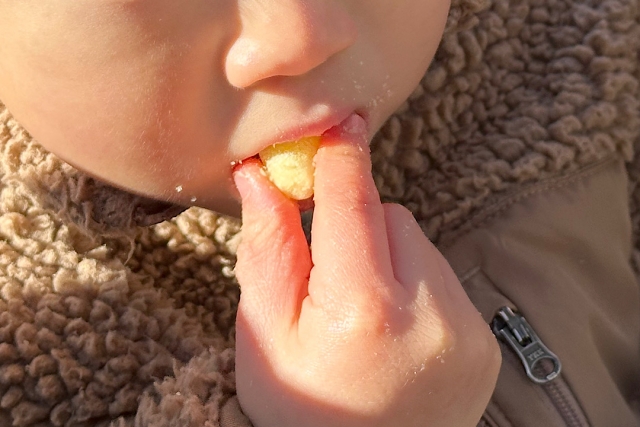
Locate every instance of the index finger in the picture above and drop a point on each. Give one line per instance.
(349, 239)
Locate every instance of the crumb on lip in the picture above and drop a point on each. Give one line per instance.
(237, 163)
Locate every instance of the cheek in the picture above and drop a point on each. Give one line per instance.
(71, 79)
(80, 119)
(418, 27)
(408, 33)
(96, 81)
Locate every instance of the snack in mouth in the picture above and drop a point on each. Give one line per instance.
(289, 166)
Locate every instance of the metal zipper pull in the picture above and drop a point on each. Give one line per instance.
(516, 331)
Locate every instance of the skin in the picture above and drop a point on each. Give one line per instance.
(150, 95)
(161, 98)
(370, 330)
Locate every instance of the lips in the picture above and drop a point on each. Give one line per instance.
(290, 166)
(313, 128)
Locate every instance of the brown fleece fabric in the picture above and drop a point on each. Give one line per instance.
(106, 321)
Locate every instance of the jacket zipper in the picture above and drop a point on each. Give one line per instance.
(516, 331)
(541, 365)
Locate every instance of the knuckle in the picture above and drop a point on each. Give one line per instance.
(265, 233)
(481, 355)
(250, 253)
(359, 195)
(365, 314)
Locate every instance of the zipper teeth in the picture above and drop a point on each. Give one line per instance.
(568, 409)
(556, 389)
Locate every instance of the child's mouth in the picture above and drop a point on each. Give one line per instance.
(290, 164)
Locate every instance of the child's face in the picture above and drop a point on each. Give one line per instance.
(161, 96)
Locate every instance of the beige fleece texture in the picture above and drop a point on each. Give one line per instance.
(107, 321)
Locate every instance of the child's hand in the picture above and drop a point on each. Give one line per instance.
(368, 328)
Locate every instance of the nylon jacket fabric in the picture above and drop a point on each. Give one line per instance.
(558, 252)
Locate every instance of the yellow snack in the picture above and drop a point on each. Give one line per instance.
(289, 166)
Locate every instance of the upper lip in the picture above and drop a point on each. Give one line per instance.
(315, 126)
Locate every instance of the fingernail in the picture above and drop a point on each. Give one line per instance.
(244, 176)
(353, 127)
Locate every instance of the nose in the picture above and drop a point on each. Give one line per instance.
(286, 38)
